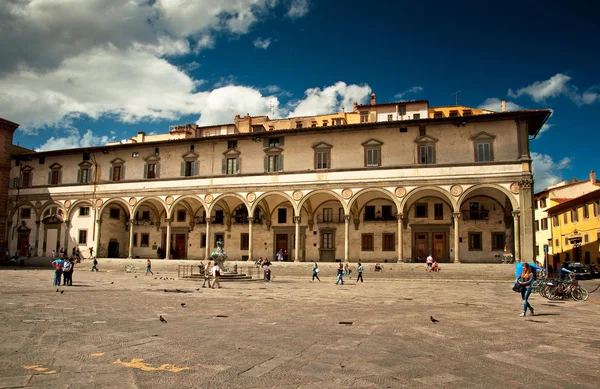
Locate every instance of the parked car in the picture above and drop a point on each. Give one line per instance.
(593, 270)
(578, 269)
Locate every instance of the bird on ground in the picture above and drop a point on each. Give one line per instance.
(162, 319)
(112, 282)
(62, 291)
(135, 277)
(57, 290)
(182, 305)
(197, 289)
(433, 320)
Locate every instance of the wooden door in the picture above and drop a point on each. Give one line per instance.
(440, 251)
(421, 246)
(179, 246)
(327, 249)
(22, 244)
(113, 249)
(281, 243)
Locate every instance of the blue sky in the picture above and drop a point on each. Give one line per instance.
(82, 73)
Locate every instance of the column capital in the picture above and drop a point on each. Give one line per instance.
(399, 216)
(516, 214)
(168, 220)
(250, 219)
(99, 221)
(297, 219)
(208, 221)
(456, 215)
(526, 183)
(347, 218)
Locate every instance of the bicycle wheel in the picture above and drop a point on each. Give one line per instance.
(580, 294)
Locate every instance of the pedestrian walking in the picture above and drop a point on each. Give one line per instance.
(94, 265)
(280, 255)
(206, 275)
(525, 280)
(67, 266)
(216, 272)
(360, 272)
(53, 253)
(315, 272)
(91, 252)
(149, 267)
(285, 255)
(429, 263)
(340, 274)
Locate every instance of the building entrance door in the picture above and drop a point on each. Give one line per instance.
(281, 243)
(22, 244)
(440, 252)
(113, 249)
(421, 246)
(327, 249)
(179, 246)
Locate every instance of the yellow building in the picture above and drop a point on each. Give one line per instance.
(450, 111)
(576, 229)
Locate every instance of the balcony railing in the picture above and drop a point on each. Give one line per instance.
(476, 215)
(334, 219)
(379, 218)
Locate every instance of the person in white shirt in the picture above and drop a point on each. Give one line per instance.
(216, 272)
(429, 262)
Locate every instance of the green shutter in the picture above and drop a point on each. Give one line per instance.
(79, 176)
(110, 173)
(195, 168)
(60, 177)
(50, 177)
(224, 166)
(122, 172)
(146, 171)
(239, 165)
(182, 169)
(266, 163)
(280, 163)
(157, 172)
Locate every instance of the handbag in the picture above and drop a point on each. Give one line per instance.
(517, 287)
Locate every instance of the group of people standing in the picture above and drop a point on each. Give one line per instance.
(63, 268)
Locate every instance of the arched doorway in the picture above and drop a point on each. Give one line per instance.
(187, 232)
(148, 217)
(229, 224)
(114, 222)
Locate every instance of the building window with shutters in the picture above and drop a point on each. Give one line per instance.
(273, 159)
(498, 241)
(475, 243)
(425, 149)
(152, 167)
(388, 242)
(322, 155)
(483, 143)
(372, 150)
(55, 174)
(367, 242)
(84, 211)
(189, 165)
(83, 174)
(117, 170)
(26, 178)
(82, 237)
(244, 241)
(232, 166)
(231, 162)
(25, 213)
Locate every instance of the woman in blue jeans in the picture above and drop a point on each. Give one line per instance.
(525, 279)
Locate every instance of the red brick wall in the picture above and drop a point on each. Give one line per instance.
(7, 130)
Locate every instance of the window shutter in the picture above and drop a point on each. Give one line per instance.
(182, 169)
(19, 182)
(281, 139)
(157, 171)
(110, 173)
(196, 167)
(377, 157)
(266, 163)
(281, 163)
(60, 177)
(49, 177)
(224, 166)
(30, 183)
(146, 171)
(122, 173)
(265, 142)
(239, 165)
(79, 176)
(429, 154)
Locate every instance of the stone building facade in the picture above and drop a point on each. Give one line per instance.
(7, 148)
(459, 188)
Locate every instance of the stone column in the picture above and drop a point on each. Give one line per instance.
(456, 216)
(37, 236)
(207, 248)
(66, 245)
(97, 243)
(130, 239)
(517, 236)
(250, 223)
(526, 218)
(297, 246)
(346, 238)
(399, 238)
(168, 242)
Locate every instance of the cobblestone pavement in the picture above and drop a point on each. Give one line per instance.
(105, 332)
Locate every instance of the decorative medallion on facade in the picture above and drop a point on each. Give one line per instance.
(169, 200)
(251, 197)
(99, 203)
(208, 198)
(297, 195)
(400, 191)
(67, 203)
(347, 193)
(132, 201)
(456, 190)
(514, 187)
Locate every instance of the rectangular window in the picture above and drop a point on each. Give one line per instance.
(416, 116)
(574, 215)
(403, 129)
(115, 213)
(82, 237)
(145, 215)
(202, 241)
(337, 122)
(327, 240)
(313, 124)
(188, 169)
(151, 170)
(439, 211)
(325, 123)
(369, 213)
(84, 211)
(586, 212)
(55, 177)
(26, 180)
(327, 215)
(372, 157)
(422, 131)
(438, 115)
(219, 216)
(85, 176)
(274, 142)
(402, 110)
(244, 241)
(556, 243)
(453, 114)
(467, 112)
(273, 163)
(388, 242)
(367, 242)
(135, 240)
(545, 223)
(537, 250)
(390, 117)
(543, 202)
(498, 241)
(426, 156)
(484, 152)
(116, 173)
(421, 210)
(586, 238)
(565, 218)
(364, 116)
(475, 243)
(555, 220)
(537, 225)
(282, 215)
(144, 239)
(535, 204)
(298, 124)
(566, 241)
(231, 144)
(15, 182)
(597, 208)
(43, 159)
(232, 166)
(25, 213)
(181, 215)
(386, 212)
(322, 159)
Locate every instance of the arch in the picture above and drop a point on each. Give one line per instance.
(442, 192)
(223, 196)
(49, 204)
(193, 197)
(19, 205)
(359, 210)
(75, 206)
(324, 191)
(139, 203)
(508, 194)
(367, 190)
(273, 193)
(117, 200)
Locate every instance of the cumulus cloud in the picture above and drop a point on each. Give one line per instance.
(260, 43)
(555, 86)
(298, 8)
(73, 140)
(414, 89)
(495, 104)
(546, 171)
(330, 99)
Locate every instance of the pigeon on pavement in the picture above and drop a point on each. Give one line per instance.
(182, 305)
(62, 291)
(433, 320)
(162, 319)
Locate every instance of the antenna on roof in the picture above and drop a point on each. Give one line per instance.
(271, 108)
(456, 94)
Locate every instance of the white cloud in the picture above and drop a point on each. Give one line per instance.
(555, 86)
(414, 89)
(494, 104)
(546, 171)
(298, 9)
(544, 128)
(330, 99)
(260, 43)
(73, 140)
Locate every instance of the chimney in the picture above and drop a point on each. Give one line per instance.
(503, 105)
(593, 177)
(373, 99)
(141, 136)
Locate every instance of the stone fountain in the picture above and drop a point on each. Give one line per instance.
(219, 256)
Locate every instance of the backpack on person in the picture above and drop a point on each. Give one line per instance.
(67, 267)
